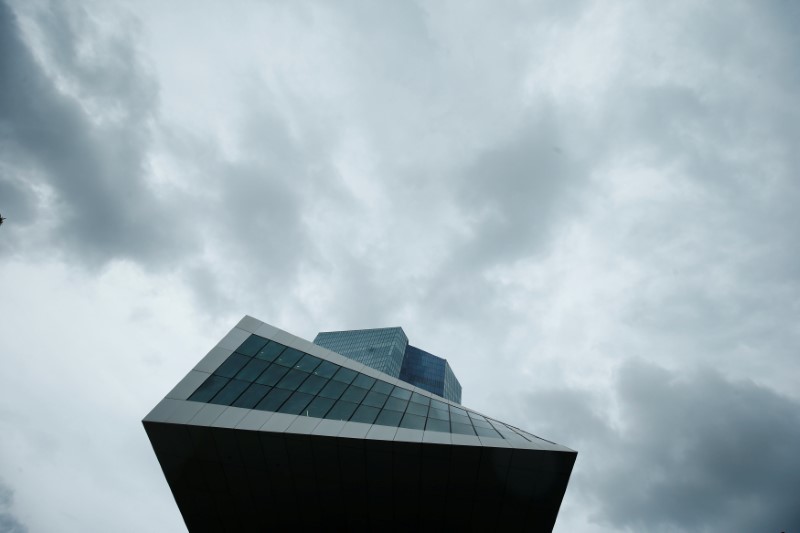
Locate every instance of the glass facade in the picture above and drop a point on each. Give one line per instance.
(381, 349)
(387, 350)
(265, 375)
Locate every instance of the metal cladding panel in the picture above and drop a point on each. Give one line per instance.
(232, 467)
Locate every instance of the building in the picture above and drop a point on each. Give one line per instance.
(272, 432)
(387, 350)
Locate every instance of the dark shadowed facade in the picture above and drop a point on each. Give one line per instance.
(272, 432)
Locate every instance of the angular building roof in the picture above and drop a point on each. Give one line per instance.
(272, 431)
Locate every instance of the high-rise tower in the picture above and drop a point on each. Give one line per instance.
(272, 432)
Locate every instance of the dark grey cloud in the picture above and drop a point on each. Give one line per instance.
(66, 165)
(679, 451)
(9, 523)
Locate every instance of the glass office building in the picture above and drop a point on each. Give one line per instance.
(387, 350)
(272, 432)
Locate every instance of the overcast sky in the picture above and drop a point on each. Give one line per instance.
(590, 208)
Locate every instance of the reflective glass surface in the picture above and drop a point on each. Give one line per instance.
(268, 376)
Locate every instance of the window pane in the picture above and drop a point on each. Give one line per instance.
(341, 410)
(333, 390)
(365, 414)
(354, 394)
(403, 394)
(308, 363)
(251, 396)
(419, 398)
(459, 419)
(232, 365)
(375, 399)
(486, 432)
(252, 370)
(365, 382)
(313, 384)
(289, 357)
(270, 351)
(230, 392)
(273, 400)
(412, 421)
(439, 405)
(463, 429)
(292, 380)
(382, 387)
(481, 423)
(208, 389)
(319, 406)
(326, 369)
(345, 375)
(437, 425)
(272, 375)
(395, 404)
(458, 411)
(438, 414)
(296, 404)
(251, 345)
(417, 409)
(389, 418)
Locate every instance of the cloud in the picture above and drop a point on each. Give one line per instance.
(8, 522)
(74, 135)
(679, 452)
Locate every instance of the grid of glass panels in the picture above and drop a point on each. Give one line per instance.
(381, 348)
(452, 388)
(268, 376)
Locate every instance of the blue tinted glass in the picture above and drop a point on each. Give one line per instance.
(341, 410)
(459, 419)
(486, 432)
(270, 351)
(383, 387)
(252, 345)
(458, 411)
(319, 406)
(289, 357)
(439, 414)
(208, 389)
(313, 384)
(462, 429)
(354, 394)
(251, 396)
(365, 414)
(417, 409)
(308, 363)
(252, 370)
(395, 404)
(389, 418)
(333, 389)
(412, 421)
(272, 375)
(232, 365)
(439, 405)
(292, 380)
(296, 404)
(375, 399)
(437, 425)
(403, 394)
(326, 369)
(273, 400)
(230, 392)
(365, 382)
(419, 398)
(481, 423)
(345, 375)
